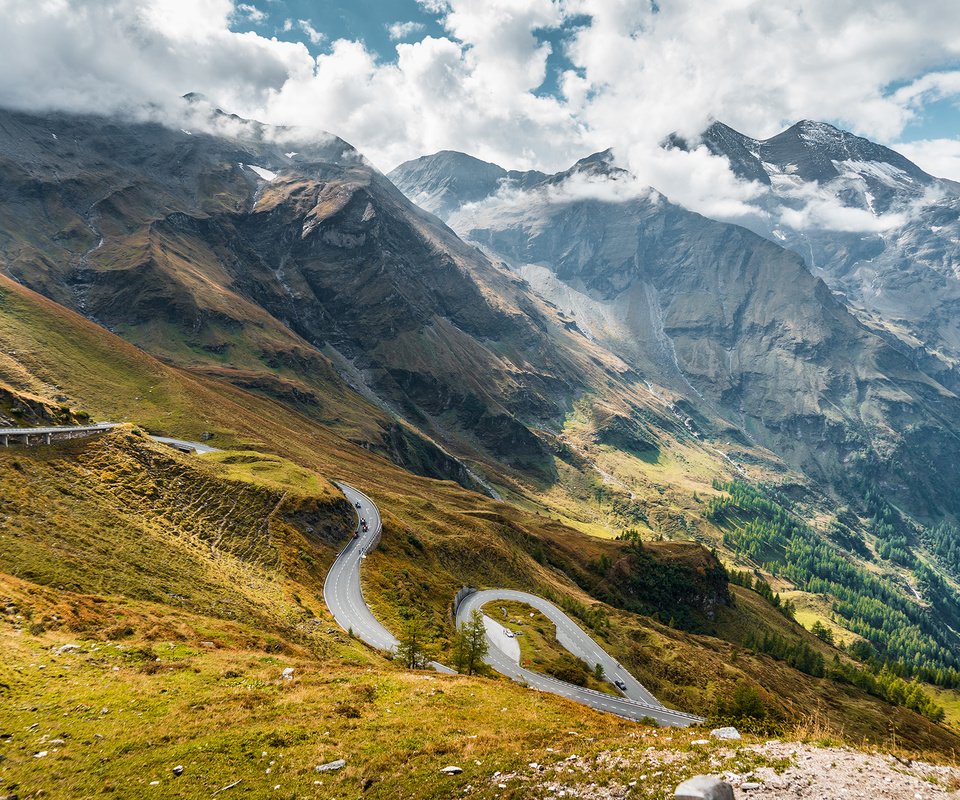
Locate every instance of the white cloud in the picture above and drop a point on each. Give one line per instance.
(252, 13)
(932, 86)
(827, 213)
(638, 74)
(434, 6)
(312, 33)
(402, 30)
(940, 157)
(696, 179)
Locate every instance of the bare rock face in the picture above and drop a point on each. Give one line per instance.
(899, 277)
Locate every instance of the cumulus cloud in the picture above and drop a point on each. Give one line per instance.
(252, 13)
(634, 72)
(403, 30)
(826, 213)
(312, 33)
(940, 157)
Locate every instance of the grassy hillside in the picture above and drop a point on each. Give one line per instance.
(144, 553)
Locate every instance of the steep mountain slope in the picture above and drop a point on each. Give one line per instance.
(278, 264)
(301, 273)
(877, 228)
(165, 551)
(735, 324)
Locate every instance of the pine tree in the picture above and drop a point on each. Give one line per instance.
(411, 648)
(474, 634)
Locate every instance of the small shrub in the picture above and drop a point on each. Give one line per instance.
(349, 711)
(118, 632)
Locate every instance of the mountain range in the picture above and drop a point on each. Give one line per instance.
(734, 323)
(706, 431)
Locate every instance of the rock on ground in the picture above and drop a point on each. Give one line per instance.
(704, 787)
(842, 772)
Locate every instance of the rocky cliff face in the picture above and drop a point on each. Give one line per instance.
(736, 324)
(878, 229)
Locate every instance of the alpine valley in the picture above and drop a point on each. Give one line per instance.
(728, 450)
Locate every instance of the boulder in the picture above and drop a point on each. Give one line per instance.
(333, 766)
(287, 674)
(451, 770)
(725, 733)
(704, 787)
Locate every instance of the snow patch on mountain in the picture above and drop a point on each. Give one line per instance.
(263, 172)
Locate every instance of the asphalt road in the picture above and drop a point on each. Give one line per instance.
(187, 447)
(344, 598)
(341, 590)
(570, 635)
(638, 702)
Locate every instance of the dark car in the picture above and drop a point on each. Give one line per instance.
(357, 504)
(620, 685)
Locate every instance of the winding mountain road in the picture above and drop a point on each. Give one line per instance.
(341, 589)
(569, 634)
(344, 597)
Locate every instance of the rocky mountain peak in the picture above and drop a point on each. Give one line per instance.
(444, 181)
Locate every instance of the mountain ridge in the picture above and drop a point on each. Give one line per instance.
(588, 246)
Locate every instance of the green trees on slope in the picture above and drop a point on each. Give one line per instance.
(470, 644)
(905, 636)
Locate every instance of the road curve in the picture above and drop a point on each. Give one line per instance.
(569, 634)
(344, 597)
(638, 702)
(185, 446)
(341, 589)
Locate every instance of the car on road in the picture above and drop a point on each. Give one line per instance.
(510, 634)
(620, 685)
(357, 504)
(364, 527)
(356, 534)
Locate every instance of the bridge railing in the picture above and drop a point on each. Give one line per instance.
(48, 435)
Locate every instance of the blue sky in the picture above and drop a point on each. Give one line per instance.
(939, 119)
(363, 20)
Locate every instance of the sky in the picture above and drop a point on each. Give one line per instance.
(524, 83)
